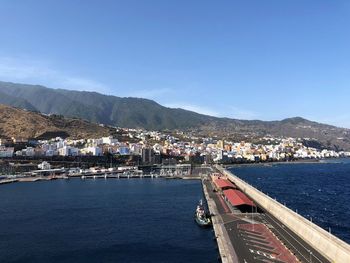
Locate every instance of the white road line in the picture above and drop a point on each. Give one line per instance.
(294, 239)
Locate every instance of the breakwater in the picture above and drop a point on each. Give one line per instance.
(331, 247)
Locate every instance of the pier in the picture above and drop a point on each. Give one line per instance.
(252, 227)
(180, 171)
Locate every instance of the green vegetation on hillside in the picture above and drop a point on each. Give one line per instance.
(144, 113)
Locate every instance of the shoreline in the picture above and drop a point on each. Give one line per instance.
(38, 179)
(192, 177)
(307, 161)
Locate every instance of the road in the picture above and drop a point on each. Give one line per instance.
(259, 237)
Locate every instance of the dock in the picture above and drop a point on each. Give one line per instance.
(227, 253)
(183, 172)
(8, 181)
(253, 232)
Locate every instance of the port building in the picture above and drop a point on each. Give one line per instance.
(223, 184)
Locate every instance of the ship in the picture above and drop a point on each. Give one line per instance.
(201, 217)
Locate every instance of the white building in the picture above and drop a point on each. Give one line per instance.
(29, 151)
(95, 151)
(6, 152)
(109, 140)
(68, 151)
(44, 166)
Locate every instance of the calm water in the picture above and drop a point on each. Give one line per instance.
(136, 220)
(320, 191)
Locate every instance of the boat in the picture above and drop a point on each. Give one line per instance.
(201, 217)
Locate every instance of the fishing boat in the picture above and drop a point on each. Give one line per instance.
(201, 217)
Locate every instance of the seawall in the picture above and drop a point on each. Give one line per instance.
(331, 247)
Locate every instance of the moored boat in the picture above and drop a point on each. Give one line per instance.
(201, 216)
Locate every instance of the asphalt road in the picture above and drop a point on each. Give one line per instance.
(259, 237)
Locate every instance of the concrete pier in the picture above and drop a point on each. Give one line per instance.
(226, 250)
(8, 181)
(33, 179)
(254, 235)
(307, 241)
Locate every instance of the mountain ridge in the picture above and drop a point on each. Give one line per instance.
(69, 94)
(144, 113)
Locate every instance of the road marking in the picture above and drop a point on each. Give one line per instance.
(261, 253)
(294, 239)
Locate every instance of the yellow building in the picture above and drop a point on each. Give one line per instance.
(220, 144)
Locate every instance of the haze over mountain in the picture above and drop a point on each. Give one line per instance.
(144, 113)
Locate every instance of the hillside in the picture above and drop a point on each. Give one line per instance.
(144, 113)
(95, 107)
(319, 135)
(20, 123)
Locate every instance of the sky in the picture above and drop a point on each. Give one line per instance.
(249, 59)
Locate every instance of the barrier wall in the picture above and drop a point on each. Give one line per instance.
(331, 247)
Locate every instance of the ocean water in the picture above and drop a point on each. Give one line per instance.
(318, 191)
(126, 220)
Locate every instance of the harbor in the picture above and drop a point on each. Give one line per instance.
(184, 171)
(248, 225)
(126, 220)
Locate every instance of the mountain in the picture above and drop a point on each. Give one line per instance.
(16, 102)
(95, 107)
(21, 123)
(144, 113)
(315, 134)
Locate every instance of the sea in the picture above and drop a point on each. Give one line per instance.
(151, 220)
(125, 220)
(318, 191)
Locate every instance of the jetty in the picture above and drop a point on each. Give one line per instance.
(250, 226)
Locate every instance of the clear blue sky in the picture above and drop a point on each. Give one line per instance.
(243, 59)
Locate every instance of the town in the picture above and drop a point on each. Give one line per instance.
(141, 147)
